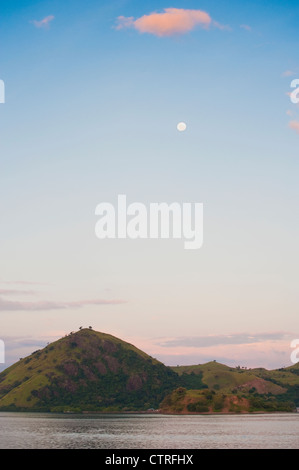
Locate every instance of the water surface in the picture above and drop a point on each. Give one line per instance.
(95, 431)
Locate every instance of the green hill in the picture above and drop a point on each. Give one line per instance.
(92, 371)
(281, 383)
(86, 370)
(218, 376)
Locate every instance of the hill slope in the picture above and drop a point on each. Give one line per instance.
(86, 370)
(182, 401)
(282, 383)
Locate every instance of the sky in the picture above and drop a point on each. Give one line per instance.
(94, 91)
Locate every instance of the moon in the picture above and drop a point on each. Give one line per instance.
(181, 127)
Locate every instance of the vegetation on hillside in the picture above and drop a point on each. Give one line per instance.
(86, 371)
(183, 401)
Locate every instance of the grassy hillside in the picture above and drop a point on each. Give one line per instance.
(182, 401)
(288, 378)
(216, 375)
(282, 383)
(86, 370)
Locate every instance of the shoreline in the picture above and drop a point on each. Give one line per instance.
(105, 413)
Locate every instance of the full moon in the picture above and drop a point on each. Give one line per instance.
(181, 126)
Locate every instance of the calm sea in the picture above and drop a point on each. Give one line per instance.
(74, 431)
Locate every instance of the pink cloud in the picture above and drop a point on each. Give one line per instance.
(9, 306)
(288, 73)
(44, 23)
(170, 22)
(294, 125)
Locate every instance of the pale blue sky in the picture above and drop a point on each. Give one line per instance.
(90, 113)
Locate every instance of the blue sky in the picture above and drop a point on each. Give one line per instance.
(90, 113)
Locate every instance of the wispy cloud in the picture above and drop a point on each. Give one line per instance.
(288, 73)
(25, 283)
(294, 125)
(10, 306)
(44, 23)
(16, 292)
(222, 27)
(215, 340)
(170, 22)
(18, 342)
(22, 346)
(246, 27)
